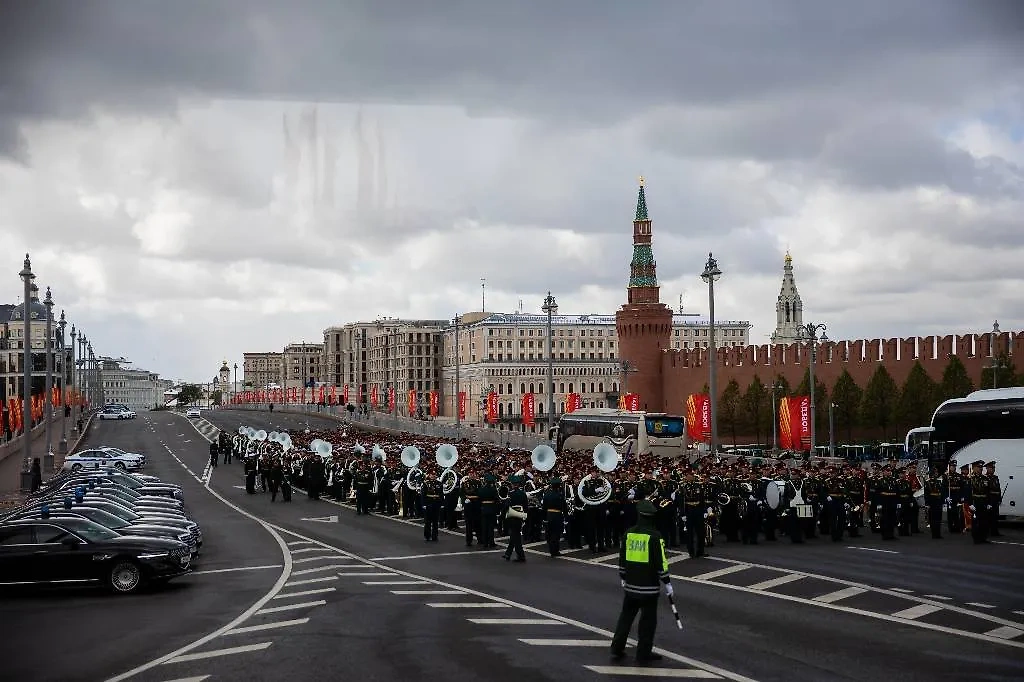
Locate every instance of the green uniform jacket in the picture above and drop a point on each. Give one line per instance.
(642, 561)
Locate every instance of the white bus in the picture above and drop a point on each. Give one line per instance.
(631, 433)
(986, 425)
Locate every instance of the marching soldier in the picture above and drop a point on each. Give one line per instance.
(933, 498)
(854, 503)
(836, 499)
(517, 504)
(888, 504)
(470, 488)
(905, 503)
(693, 508)
(364, 484)
(995, 499)
(432, 494)
(980, 507)
(488, 512)
(954, 499)
(214, 453)
(554, 508)
(643, 569)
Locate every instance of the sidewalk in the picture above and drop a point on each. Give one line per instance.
(11, 465)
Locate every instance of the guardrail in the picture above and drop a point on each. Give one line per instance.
(398, 424)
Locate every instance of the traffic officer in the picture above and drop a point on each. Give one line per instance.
(432, 495)
(643, 569)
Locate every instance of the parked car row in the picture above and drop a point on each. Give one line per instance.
(117, 412)
(112, 527)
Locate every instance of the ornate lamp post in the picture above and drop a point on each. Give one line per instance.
(809, 333)
(62, 448)
(27, 276)
(74, 368)
(551, 308)
(712, 273)
(458, 372)
(48, 396)
(997, 364)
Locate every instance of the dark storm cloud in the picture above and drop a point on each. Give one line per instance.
(570, 60)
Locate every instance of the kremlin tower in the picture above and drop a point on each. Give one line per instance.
(643, 324)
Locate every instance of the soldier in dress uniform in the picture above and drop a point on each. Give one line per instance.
(554, 509)
(905, 504)
(214, 453)
(643, 569)
(836, 498)
(979, 498)
(751, 521)
(517, 503)
(470, 486)
(488, 512)
(693, 508)
(364, 485)
(432, 494)
(995, 499)
(954, 499)
(854, 502)
(666, 512)
(888, 504)
(933, 499)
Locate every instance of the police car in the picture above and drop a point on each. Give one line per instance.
(101, 459)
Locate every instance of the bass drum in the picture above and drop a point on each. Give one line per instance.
(774, 494)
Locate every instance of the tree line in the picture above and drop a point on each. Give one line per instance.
(881, 410)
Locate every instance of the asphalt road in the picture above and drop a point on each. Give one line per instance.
(86, 634)
(367, 596)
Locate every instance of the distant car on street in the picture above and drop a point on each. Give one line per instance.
(111, 412)
(101, 458)
(192, 412)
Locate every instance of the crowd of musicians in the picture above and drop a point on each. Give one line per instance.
(499, 492)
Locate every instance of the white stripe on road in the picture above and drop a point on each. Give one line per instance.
(325, 557)
(916, 611)
(901, 589)
(308, 549)
(980, 606)
(185, 658)
(872, 549)
(346, 575)
(644, 671)
(606, 557)
(190, 679)
(304, 593)
(309, 581)
(1005, 632)
(515, 621)
(424, 591)
(720, 572)
(427, 556)
(567, 642)
(321, 569)
(291, 607)
(938, 597)
(677, 558)
(231, 570)
(299, 543)
(775, 582)
(468, 605)
(844, 593)
(395, 582)
(267, 626)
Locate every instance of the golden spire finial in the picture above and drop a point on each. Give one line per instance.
(641, 181)
(789, 258)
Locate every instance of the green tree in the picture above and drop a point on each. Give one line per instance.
(847, 396)
(820, 400)
(1006, 374)
(955, 382)
(729, 408)
(188, 394)
(879, 401)
(706, 390)
(756, 405)
(917, 398)
(217, 397)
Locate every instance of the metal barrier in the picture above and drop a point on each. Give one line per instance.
(395, 423)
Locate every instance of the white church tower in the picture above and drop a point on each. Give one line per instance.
(789, 310)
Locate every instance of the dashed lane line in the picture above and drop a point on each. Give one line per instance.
(369, 574)
(916, 611)
(395, 582)
(515, 621)
(425, 592)
(735, 568)
(468, 605)
(980, 605)
(200, 678)
(901, 589)
(566, 642)
(844, 593)
(775, 582)
(938, 597)
(873, 549)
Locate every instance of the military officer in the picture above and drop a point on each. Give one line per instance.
(979, 499)
(488, 512)
(554, 510)
(432, 494)
(954, 499)
(693, 508)
(995, 499)
(517, 504)
(933, 498)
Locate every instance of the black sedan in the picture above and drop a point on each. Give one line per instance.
(79, 550)
(110, 521)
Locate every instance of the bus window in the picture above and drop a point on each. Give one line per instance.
(664, 427)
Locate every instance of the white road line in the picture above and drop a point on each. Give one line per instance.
(775, 582)
(515, 621)
(644, 671)
(1005, 632)
(309, 581)
(1004, 542)
(567, 642)
(535, 544)
(299, 543)
(307, 549)
(736, 568)
(361, 575)
(427, 556)
(304, 593)
(606, 557)
(321, 569)
(424, 591)
(232, 570)
(306, 560)
(916, 611)
(267, 626)
(185, 658)
(872, 549)
(677, 558)
(395, 582)
(980, 606)
(844, 593)
(901, 589)
(1019, 613)
(938, 597)
(292, 607)
(468, 605)
(190, 679)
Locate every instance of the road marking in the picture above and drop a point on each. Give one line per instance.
(844, 593)
(535, 544)
(678, 558)
(395, 582)
(873, 549)
(293, 543)
(267, 626)
(1019, 613)
(1005, 632)
(185, 658)
(901, 589)
(916, 611)
(424, 591)
(360, 575)
(775, 582)
(291, 607)
(735, 568)
(190, 679)
(515, 621)
(606, 557)
(1004, 542)
(306, 549)
(309, 581)
(644, 671)
(980, 606)
(938, 597)
(322, 519)
(306, 560)
(427, 556)
(468, 605)
(232, 570)
(321, 569)
(567, 642)
(304, 593)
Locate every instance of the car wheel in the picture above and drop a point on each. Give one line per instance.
(120, 465)
(125, 576)
(76, 467)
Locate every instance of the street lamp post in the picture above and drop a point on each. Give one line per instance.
(27, 276)
(458, 372)
(550, 307)
(809, 333)
(74, 367)
(62, 448)
(48, 396)
(712, 273)
(775, 419)
(997, 364)
(831, 429)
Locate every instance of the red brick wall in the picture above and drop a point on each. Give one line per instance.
(643, 332)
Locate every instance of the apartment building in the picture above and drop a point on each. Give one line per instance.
(301, 365)
(260, 370)
(136, 388)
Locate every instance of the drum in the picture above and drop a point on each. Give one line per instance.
(804, 511)
(775, 494)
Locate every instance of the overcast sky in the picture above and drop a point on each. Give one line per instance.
(157, 160)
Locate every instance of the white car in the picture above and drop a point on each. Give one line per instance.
(118, 451)
(113, 413)
(192, 412)
(99, 458)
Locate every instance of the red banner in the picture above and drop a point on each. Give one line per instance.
(573, 402)
(373, 396)
(359, 393)
(434, 400)
(334, 395)
(698, 417)
(462, 404)
(391, 399)
(528, 409)
(323, 394)
(630, 401)
(795, 423)
(410, 402)
(492, 407)
(344, 394)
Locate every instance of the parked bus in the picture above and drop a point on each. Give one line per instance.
(987, 425)
(631, 433)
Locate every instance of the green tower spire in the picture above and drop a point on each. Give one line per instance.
(642, 269)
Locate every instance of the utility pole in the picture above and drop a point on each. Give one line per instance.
(458, 386)
(809, 333)
(550, 307)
